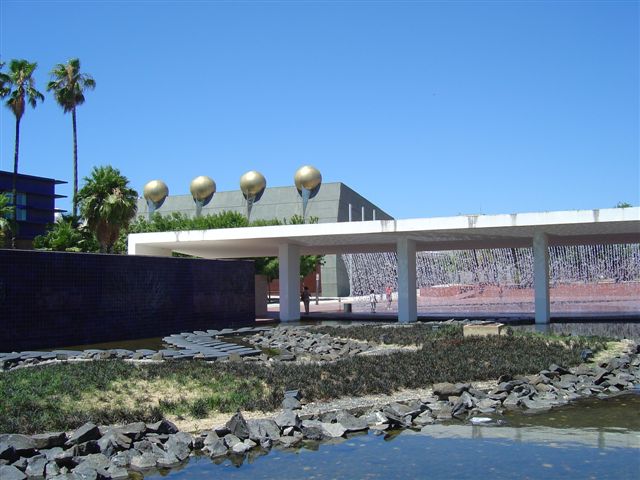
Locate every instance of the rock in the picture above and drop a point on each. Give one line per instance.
(49, 440)
(237, 425)
(291, 441)
(9, 472)
(135, 431)
(167, 460)
(512, 401)
(51, 469)
(214, 445)
(36, 466)
(7, 453)
(444, 390)
(350, 422)
(143, 461)
(88, 431)
(178, 446)
(287, 418)
(424, 418)
(86, 448)
(332, 430)
(297, 394)
(376, 418)
(21, 463)
(122, 459)
(117, 473)
(113, 441)
(558, 369)
(230, 440)
(240, 448)
(162, 427)
(291, 403)
(51, 452)
(66, 458)
(20, 445)
(263, 428)
(312, 430)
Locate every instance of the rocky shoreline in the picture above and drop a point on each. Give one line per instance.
(100, 452)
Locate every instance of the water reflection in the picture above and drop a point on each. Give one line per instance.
(592, 439)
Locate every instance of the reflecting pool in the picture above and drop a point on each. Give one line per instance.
(591, 439)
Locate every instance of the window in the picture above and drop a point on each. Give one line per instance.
(21, 206)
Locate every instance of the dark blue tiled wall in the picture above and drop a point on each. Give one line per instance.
(54, 299)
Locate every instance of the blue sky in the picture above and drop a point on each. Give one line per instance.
(425, 108)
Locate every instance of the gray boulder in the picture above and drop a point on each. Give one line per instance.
(135, 431)
(143, 461)
(262, 429)
(237, 425)
(36, 466)
(49, 440)
(9, 472)
(88, 431)
(15, 445)
(162, 427)
(288, 418)
(445, 390)
(214, 446)
(350, 422)
(291, 403)
(178, 447)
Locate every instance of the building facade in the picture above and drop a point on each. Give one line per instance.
(335, 202)
(35, 205)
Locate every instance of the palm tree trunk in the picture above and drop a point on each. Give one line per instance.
(14, 227)
(75, 164)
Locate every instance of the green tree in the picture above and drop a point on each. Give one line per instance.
(68, 86)
(67, 235)
(6, 213)
(20, 87)
(623, 205)
(107, 204)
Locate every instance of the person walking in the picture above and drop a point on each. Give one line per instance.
(373, 300)
(389, 297)
(305, 296)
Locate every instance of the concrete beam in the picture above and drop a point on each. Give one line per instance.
(289, 260)
(134, 248)
(541, 277)
(407, 301)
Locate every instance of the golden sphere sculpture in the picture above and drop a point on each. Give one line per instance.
(155, 191)
(307, 180)
(252, 184)
(202, 188)
(307, 177)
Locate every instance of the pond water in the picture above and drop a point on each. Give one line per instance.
(590, 439)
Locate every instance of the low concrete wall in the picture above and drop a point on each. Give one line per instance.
(54, 299)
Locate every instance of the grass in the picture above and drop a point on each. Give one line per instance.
(64, 396)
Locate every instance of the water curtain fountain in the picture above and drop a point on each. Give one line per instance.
(508, 268)
(155, 193)
(202, 189)
(252, 185)
(307, 180)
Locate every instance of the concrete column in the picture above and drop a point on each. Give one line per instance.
(407, 301)
(289, 260)
(541, 277)
(363, 213)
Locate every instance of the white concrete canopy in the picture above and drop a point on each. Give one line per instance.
(465, 232)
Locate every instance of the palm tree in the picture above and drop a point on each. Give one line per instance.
(4, 82)
(20, 87)
(6, 212)
(68, 86)
(107, 204)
